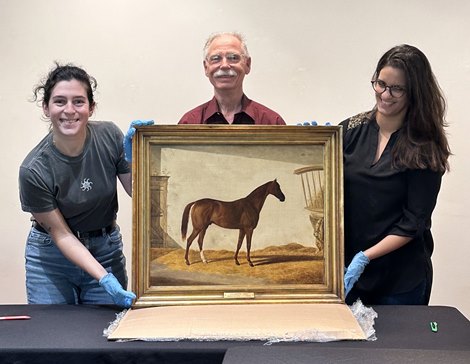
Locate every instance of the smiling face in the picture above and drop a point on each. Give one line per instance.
(387, 105)
(68, 109)
(226, 64)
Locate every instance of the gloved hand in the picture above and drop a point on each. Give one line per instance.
(312, 123)
(308, 123)
(128, 137)
(354, 271)
(120, 296)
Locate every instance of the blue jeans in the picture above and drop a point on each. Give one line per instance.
(53, 279)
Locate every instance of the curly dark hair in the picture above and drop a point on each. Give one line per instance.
(42, 92)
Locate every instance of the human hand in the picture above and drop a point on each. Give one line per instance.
(128, 137)
(312, 123)
(354, 271)
(120, 296)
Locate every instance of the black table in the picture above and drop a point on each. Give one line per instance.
(74, 334)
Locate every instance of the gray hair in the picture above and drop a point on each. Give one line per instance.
(237, 35)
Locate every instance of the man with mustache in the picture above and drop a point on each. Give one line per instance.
(226, 62)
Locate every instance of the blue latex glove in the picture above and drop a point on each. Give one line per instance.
(354, 271)
(120, 296)
(128, 137)
(312, 123)
(308, 123)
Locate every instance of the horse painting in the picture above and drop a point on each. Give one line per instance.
(242, 214)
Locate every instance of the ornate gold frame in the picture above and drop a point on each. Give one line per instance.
(176, 164)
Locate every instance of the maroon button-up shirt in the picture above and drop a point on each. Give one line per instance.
(251, 113)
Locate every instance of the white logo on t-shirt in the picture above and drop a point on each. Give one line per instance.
(86, 184)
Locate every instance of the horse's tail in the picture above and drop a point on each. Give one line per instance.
(184, 221)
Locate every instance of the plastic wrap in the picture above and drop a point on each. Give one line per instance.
(365, 316)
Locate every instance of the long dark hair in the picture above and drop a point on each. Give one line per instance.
(422, 142)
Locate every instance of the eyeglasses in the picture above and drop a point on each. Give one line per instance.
(380, 87)
(232, 58)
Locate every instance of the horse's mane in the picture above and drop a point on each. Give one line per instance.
(260, 188)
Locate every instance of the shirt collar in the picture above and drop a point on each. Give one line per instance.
(213, 107)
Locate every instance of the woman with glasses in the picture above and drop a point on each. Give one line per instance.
(394, 158)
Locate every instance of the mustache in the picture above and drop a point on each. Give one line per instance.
(225, 73)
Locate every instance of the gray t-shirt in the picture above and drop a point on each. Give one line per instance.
(83, 188)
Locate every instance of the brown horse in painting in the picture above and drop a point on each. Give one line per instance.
(242, 214)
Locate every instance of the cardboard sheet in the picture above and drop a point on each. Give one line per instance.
(271, 322)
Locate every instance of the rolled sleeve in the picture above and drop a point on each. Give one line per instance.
(423, 189)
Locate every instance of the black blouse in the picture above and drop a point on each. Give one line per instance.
(380, 200)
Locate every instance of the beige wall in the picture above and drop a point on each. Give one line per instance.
(311, 60)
